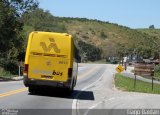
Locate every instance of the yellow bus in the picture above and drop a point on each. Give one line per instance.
(50, 60)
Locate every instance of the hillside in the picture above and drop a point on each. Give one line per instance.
(112, 39)
(151, 32)
(95, 39)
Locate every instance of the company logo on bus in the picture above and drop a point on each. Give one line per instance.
(51, 46)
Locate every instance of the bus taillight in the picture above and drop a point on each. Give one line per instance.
(25, 73)
(70, 72)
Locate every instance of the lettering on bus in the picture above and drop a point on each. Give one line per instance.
(57, 73)
(44, 72)
(51, 46)
(46, 76)
(48, 72)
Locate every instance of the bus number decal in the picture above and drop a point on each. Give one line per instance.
(63, 62)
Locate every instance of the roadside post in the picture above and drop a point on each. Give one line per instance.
(19, 73)
(144, 69)
(125, 63)
(19, 68)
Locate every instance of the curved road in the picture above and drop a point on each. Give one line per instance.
(13, 95)
(94, 94)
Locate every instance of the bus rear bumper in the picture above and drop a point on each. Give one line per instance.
(31, 82)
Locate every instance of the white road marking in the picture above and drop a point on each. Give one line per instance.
(74, 104)
(92, 107)
(81, 68)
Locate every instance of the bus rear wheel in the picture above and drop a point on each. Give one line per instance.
(31, 89)
(70, 90)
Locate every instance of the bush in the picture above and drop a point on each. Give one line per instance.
(11, 66)
(103, 35)
(157, 71)
(92, 52)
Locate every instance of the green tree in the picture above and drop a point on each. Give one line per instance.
(151, 27)
(41, 20)
(91, 52)
(11, 26)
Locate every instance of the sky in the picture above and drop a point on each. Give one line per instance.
(130, 13)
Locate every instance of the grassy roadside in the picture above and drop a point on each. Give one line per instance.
(127, 84)
(5, 75)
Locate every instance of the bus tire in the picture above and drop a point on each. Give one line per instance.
(31, 89)
(75, 81)
(70, 90)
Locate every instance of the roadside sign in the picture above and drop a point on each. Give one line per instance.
(119, 69)
(144, 69)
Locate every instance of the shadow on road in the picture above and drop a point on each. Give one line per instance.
(61, 93)
(82, 95)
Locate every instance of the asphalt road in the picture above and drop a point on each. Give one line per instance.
(94, 94)
(13, 95)
(110, 101)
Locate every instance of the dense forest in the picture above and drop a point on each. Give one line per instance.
(94, 39)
